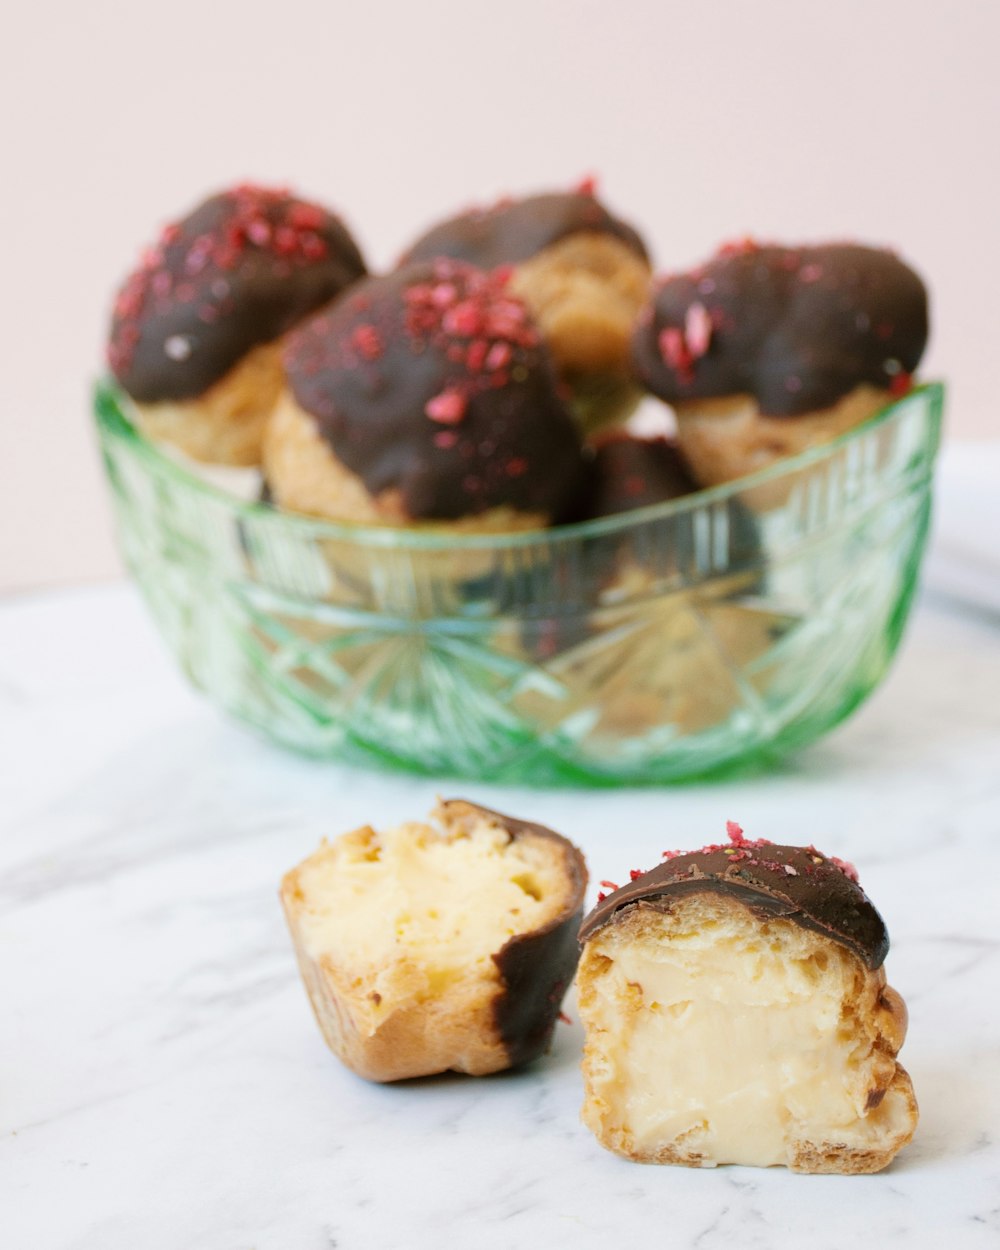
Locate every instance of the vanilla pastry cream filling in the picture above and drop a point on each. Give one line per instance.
(732, 1041)
(413, 912)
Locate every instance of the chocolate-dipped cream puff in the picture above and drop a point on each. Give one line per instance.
(765, 350)
(583, 273)
(680, 612)
(441, 946)
(196, 329)
(426, 396)
(736, 1011)
(634, 472)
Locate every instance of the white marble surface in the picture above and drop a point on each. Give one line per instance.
(163, 1085)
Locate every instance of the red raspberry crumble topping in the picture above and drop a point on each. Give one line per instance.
(682, 348)
(263, 221)
(740, 849)
(469, 314)
(448, 407)
(901, 385)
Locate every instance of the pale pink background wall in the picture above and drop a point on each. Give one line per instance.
(876, 120)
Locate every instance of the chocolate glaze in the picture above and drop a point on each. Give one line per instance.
(239, 271)
(627, 473)
(536, 968)
(433, 381)
(796, 328)
(817, 895)
(514, 230)
(632, 472)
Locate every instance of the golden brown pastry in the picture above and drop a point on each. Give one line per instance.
(765, 351)
(583, 273)
(437, 947)
(425, 397)
(737, 1011)
(195, 335)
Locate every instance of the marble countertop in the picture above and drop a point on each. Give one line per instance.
(163, 1085)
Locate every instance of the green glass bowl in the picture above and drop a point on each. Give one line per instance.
(679, 640)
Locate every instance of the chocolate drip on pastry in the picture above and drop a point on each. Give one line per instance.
(515, 230)
(536, 968)
(432, 381)
(795, 882)
(796, 328)
(239, 271)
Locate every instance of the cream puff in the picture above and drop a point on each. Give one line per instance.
(583, 273)
(736, 1011)
(767, 350)
(196, 330)
(438, 947)
(425, 397)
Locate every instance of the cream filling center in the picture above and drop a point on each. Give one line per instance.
(410, 911)
(734, 1050)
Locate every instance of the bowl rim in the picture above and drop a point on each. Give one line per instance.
(110, 410)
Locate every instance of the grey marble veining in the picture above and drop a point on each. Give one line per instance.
(163, 1085)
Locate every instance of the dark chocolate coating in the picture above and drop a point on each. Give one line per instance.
(627, 473)
(632, 472)
(239, 271)
(817, 895)
(796, 328)
(433, 381)
(536, 968)
(515, 230)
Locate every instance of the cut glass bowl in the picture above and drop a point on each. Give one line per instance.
(684, 639)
